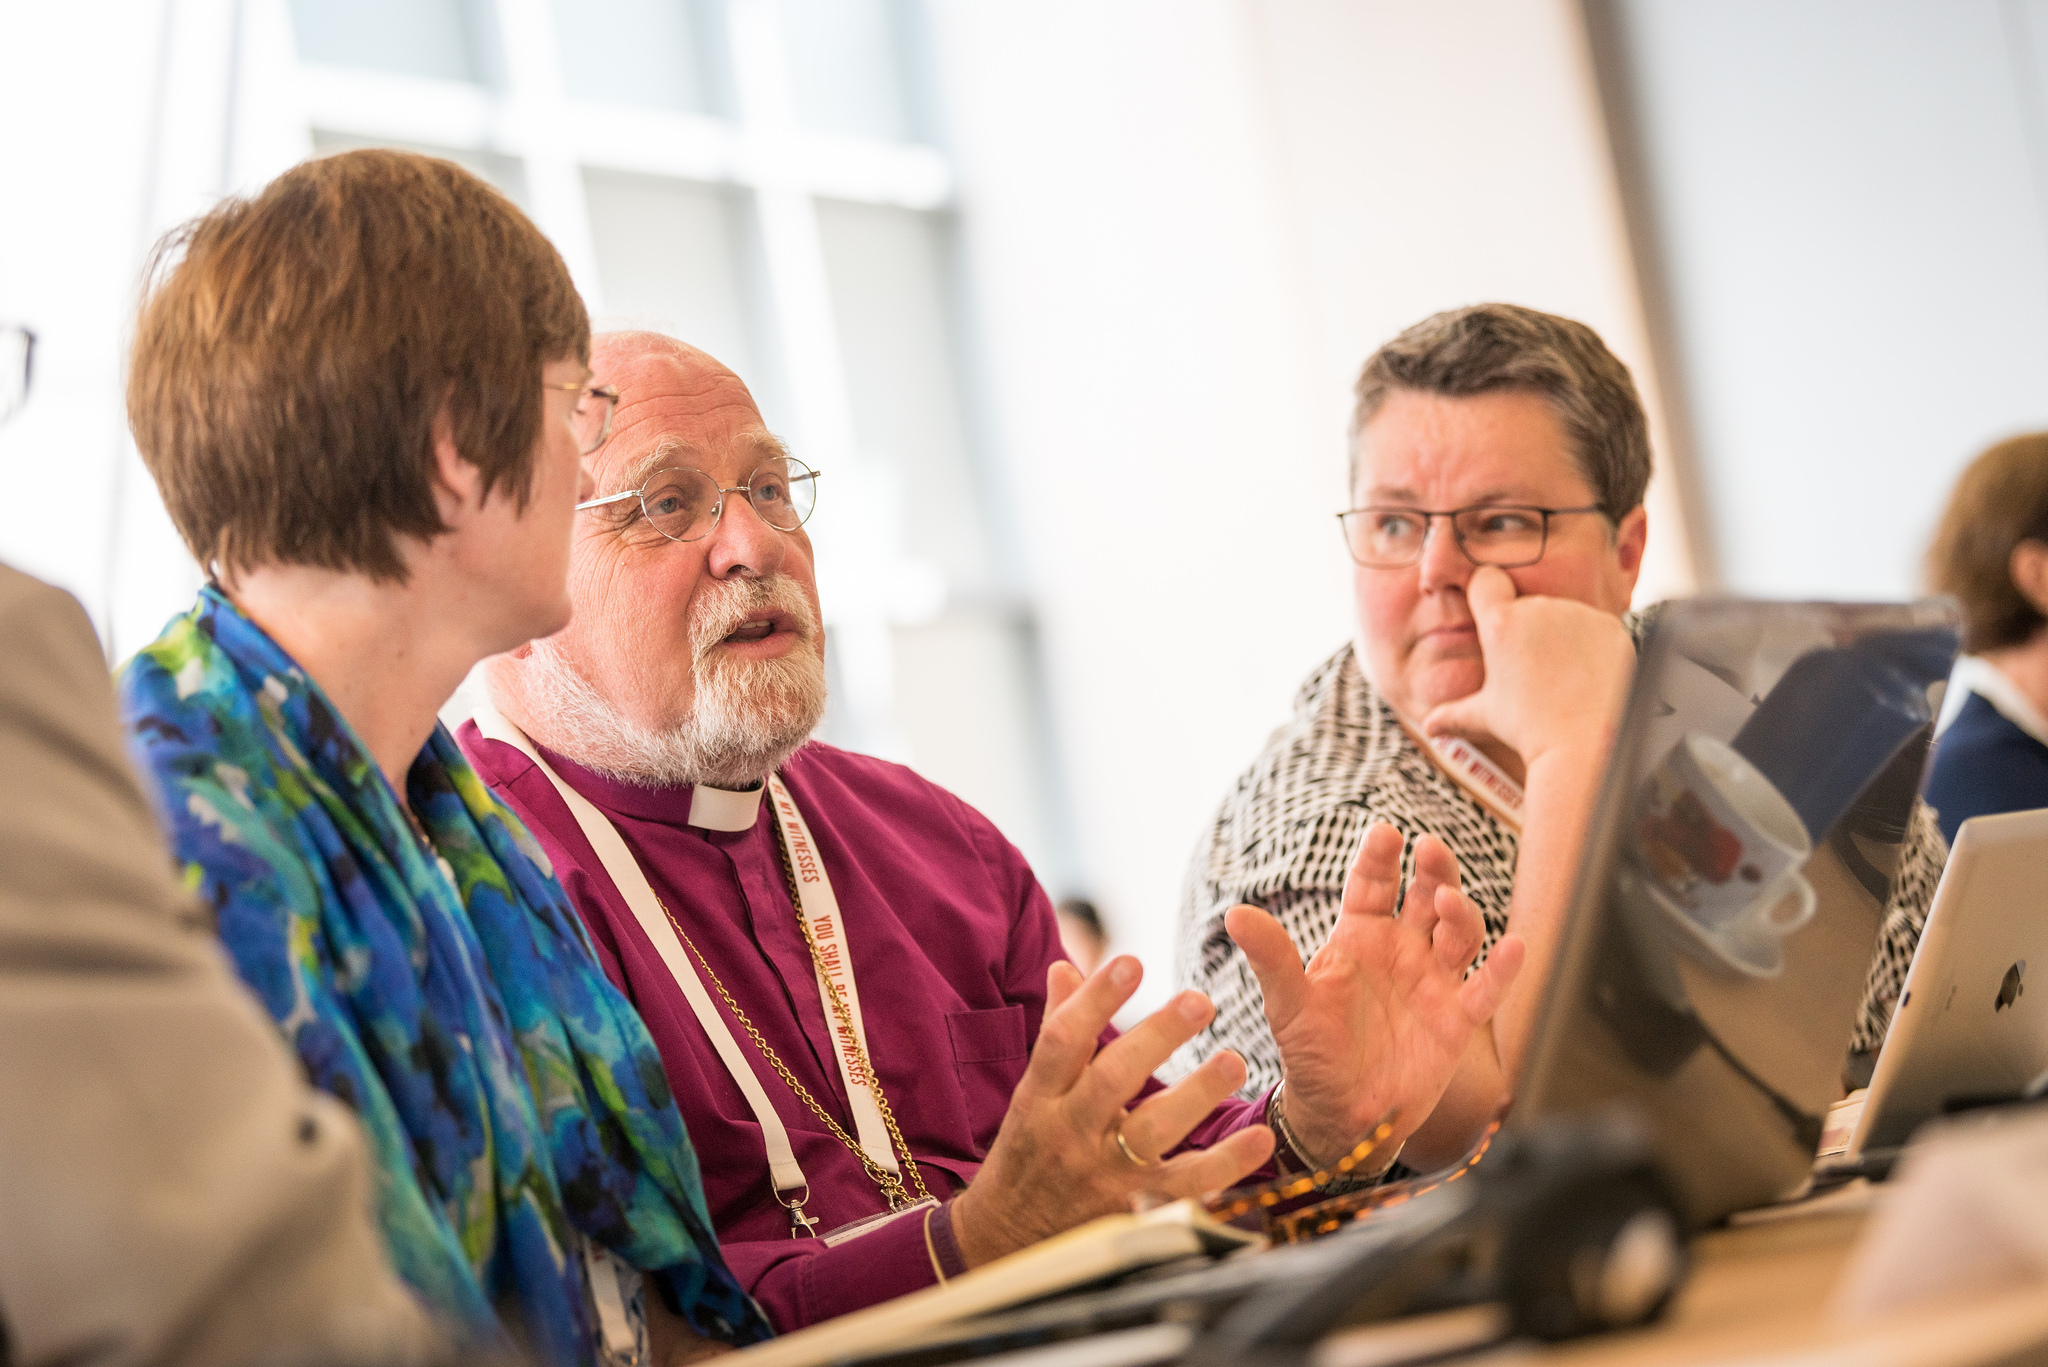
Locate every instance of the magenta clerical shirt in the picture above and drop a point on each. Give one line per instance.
(950, 937)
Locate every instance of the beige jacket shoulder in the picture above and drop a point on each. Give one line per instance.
(170, 1189)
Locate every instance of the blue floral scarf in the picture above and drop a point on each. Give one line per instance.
(512, 1097)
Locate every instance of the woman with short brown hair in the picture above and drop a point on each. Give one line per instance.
(1991, 553)
(365, 395)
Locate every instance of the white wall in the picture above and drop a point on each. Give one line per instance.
(1187, 223)
(1852, 199)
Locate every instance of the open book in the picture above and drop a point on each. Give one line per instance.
(1101, 1248)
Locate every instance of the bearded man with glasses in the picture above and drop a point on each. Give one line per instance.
(1499, 458)
(855, 982)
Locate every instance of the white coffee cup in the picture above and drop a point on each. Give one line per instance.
(1716, 837)
(1774, 913)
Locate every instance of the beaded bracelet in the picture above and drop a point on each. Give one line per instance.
(1339, 1180)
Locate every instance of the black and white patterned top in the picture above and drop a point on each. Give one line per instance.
(1287, 831)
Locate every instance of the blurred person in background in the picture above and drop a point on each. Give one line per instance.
(171, 1191)
(364, 395)
(924, 1077)
(1081, 932)
(1990, 552)
(1498, 462)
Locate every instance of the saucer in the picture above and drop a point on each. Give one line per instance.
(1749, 951)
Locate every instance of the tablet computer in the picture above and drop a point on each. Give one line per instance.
(1972, 1019)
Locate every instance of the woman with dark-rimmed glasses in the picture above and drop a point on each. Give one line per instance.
(1495, 523)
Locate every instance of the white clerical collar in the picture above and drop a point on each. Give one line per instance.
(722, 809)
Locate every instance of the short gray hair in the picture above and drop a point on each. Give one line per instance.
(1487, 347)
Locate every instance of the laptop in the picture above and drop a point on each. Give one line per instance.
(1712, 967)
(1718, 1021)
(1972, 1019)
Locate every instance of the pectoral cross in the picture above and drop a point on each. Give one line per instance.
(801, 1226)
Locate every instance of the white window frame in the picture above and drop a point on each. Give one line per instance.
(525, 115)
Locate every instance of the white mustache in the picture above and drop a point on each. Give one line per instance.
(729, 603)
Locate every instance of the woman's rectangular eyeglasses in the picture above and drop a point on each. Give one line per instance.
(1509, 535)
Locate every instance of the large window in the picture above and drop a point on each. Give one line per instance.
(760, 178)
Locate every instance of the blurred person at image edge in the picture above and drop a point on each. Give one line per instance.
(171, 1191)
(1990, 552)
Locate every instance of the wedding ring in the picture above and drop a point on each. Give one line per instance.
(1120, 1143)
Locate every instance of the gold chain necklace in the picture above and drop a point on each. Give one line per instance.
(891, 1186)
(845, 1015)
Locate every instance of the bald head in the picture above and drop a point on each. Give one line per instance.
(661, 380)
(617, 353)
(685, 661)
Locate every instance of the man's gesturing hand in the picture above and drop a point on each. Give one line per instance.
(1056, 1163)
(1377, 1022)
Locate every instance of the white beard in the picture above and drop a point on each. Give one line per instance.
(747, 717)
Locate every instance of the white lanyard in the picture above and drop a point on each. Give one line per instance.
(820, 910)
(1469, 767)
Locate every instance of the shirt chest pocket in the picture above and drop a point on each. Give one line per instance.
(989, 1053)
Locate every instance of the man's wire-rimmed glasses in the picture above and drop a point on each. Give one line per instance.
(684, 504)
(1508, 535)
(591, 420)
(17, 366)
